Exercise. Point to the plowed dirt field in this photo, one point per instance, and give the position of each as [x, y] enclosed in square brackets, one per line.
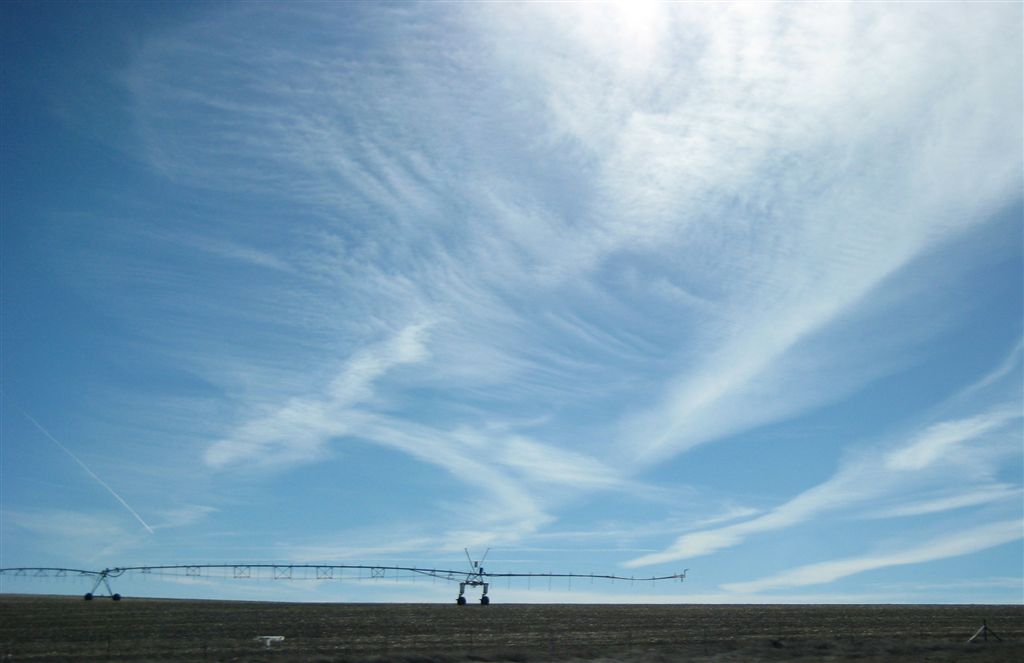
[38, 628]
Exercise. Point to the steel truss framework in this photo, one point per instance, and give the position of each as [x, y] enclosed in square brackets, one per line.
[477, 577]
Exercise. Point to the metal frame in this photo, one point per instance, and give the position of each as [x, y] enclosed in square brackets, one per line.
[62, 572]
[475, 577]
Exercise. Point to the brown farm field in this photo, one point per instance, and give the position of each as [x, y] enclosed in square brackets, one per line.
[49, 628]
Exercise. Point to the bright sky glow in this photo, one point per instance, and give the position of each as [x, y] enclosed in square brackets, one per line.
[628, 287]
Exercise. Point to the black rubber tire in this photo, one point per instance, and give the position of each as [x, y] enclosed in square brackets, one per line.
[461, 600]
[88, 596]
[485, 600]
[116, 597]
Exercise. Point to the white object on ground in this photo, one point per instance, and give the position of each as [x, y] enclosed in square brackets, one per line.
[268, 639]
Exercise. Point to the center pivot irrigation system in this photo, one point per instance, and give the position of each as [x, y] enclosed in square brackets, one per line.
[475, 577]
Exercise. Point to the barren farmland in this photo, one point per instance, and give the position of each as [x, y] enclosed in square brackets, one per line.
[46, 628]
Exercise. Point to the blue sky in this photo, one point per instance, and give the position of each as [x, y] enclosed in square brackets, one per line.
[621, 288]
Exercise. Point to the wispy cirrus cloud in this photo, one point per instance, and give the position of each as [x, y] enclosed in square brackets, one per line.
[297, 431]
[962, 543]
[943, 440]
[74, 537]
[643, 238]
[183, 516]
[580, 280]
[956, 500]
[682, 144]
[873, 481]
[509, 468]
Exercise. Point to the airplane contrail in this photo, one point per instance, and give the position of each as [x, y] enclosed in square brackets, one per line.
[86, 468]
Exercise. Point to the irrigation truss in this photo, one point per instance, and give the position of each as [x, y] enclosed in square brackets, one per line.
[475, 577]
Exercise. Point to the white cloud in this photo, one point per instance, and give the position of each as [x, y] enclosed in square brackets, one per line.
[506, 510]
[731, 513]
[242, 253]
[983, 495]
[183, 516]
[298, 430]
[937, 455]
[945, 439]
[1006, 368]
[72, 537]
[813, 258]
[767, 170]
[351, 548]
[961, 543]
[838, 492]
[712, 135]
